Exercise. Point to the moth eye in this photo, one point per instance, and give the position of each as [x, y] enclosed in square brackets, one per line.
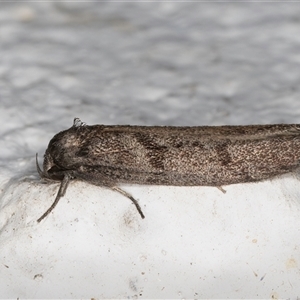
[56, 173]
[82, 152]
[54, 169]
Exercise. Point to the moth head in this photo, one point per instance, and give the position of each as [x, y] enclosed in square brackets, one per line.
[61, 147]
[50, 170]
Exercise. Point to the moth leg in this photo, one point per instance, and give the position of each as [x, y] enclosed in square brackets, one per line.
[61, 192]
[221, 189]
[117, 189]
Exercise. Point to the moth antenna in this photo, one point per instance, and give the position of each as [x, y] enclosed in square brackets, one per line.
[78, 123]
[41, 173]
[61, 192]
[117, 189]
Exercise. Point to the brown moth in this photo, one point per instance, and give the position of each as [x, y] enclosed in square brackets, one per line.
[163, 155]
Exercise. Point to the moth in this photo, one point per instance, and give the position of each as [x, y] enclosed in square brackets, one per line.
[108, 156]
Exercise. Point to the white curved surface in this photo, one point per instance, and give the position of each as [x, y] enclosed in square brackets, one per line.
[194, 242]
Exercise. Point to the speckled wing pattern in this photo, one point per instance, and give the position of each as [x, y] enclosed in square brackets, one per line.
[181, 156]
[164, 155]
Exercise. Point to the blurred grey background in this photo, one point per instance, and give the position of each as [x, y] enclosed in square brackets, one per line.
[144, 63]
